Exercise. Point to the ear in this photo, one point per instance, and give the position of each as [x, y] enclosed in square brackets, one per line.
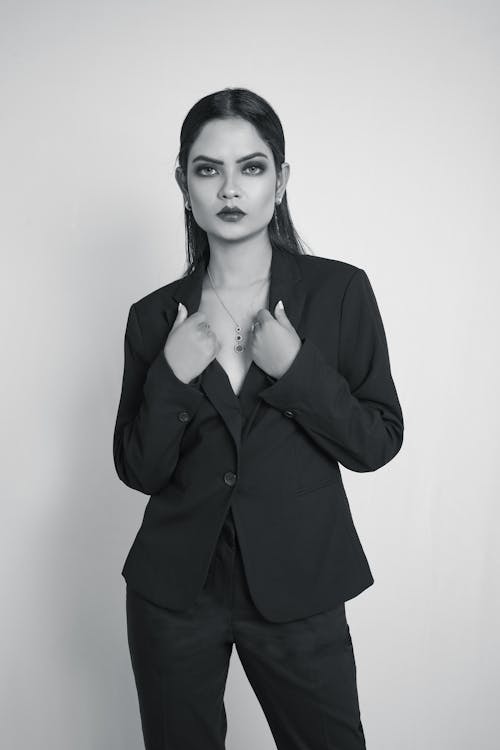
[181, 181]
[282, 179]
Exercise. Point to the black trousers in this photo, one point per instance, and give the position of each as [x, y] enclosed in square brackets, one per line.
[303, 672]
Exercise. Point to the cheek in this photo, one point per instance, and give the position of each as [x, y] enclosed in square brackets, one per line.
[201, 193]
[267, 187]
[264, 196]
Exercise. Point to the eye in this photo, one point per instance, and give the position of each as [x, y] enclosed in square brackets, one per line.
[200, 169]
[256, 165]
[253, 166]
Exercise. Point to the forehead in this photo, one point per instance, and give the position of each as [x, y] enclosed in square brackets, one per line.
[228, 139]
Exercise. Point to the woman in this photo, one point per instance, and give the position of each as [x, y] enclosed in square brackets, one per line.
[246, 382]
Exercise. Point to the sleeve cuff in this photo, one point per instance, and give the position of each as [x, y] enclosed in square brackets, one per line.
[296, 386]
[163, 382]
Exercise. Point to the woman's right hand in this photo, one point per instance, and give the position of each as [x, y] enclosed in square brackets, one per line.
[190, 345]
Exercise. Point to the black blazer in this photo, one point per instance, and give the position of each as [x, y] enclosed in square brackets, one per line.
[183, 444]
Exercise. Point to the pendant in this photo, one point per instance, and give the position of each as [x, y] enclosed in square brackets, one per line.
[239, 347]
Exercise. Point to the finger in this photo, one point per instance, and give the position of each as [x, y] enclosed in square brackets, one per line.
[263, 315]
[180, 316]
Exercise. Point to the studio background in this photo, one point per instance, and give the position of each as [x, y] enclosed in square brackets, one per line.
[391, 117]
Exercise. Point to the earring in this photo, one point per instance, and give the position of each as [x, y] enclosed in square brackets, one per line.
[188, 207]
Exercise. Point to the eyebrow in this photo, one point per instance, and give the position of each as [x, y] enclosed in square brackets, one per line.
[217, 161]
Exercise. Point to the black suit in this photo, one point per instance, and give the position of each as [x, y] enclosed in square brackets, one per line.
[187, 446]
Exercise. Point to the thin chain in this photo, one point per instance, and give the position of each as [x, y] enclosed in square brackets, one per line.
[239, 345]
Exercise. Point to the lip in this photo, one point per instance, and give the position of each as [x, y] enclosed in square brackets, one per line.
[230, 217]
[231, 212]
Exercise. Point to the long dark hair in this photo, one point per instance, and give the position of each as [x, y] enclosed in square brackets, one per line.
[237, 102]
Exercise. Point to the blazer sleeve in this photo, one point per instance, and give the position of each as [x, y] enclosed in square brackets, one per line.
[352, 413]
[154, 409]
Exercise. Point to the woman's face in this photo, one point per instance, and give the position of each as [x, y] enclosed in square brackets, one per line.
[230, 165]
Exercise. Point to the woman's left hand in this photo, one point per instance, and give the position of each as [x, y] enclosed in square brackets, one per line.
[274, 343]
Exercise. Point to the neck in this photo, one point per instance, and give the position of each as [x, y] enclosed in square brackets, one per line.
[238, 266]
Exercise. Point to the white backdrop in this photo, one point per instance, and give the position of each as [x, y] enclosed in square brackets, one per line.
[391, 116]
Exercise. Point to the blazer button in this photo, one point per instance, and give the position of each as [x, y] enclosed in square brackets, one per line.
[183, 416]
[289, 413]
[229, 478]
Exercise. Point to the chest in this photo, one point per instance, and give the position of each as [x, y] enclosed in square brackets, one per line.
[243, 308]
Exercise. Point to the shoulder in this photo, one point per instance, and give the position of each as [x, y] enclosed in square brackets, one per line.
[158, 299]
[317, 269]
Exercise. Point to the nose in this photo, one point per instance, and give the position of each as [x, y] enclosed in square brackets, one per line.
[229, 189]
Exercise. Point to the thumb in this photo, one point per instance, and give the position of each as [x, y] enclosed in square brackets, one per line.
[181, 315]
[280, 314]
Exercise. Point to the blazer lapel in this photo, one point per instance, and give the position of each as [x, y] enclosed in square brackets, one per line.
[285, 275]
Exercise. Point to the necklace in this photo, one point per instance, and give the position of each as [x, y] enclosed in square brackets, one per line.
[240, 344]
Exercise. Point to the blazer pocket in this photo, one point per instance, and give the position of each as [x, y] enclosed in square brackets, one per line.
[317, 486]
[312, 471]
